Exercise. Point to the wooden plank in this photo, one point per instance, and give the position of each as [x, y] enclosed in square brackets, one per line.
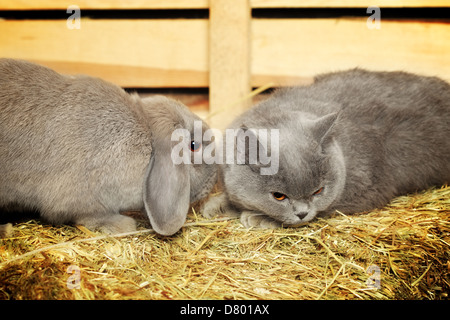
[130, 53]
[229, 60]
[292, 51]
[204, 4]
[166, 53]
[347, 3]
[102, 4]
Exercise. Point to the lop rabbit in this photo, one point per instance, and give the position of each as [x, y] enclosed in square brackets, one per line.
[81, 150]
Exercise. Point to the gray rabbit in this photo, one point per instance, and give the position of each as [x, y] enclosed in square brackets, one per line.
[80, 150]
[351, 142]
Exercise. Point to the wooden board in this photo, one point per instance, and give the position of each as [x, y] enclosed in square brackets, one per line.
[347, 3]
[131, 53]
[175, 53]
[102, 4]
[205, 4]
[292, 51]
[229, 59]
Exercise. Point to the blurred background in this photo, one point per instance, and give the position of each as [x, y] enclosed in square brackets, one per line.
[211, 54]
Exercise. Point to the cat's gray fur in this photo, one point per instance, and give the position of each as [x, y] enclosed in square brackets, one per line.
[81, 150]
[365, 137]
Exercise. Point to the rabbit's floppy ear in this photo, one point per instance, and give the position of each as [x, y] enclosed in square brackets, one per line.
[166, 191]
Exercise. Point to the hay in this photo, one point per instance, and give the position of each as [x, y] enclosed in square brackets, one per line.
[398, 252]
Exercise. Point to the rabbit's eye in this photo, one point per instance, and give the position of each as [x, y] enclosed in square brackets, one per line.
[318, 191]
[195, 146]
[279, 196]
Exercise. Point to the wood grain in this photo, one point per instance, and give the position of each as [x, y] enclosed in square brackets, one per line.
[102, 4]
[293, 51]
[205, 4]
[130, 53]
[229, 59]
[347, 3]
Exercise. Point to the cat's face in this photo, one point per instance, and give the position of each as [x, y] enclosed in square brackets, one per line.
[309, 179]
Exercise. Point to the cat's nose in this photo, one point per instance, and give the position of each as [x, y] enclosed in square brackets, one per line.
[301, 215]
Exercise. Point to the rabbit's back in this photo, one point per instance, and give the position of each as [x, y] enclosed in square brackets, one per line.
[63, 138]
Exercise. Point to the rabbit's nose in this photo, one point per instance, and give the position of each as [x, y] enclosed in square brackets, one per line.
[301, 215]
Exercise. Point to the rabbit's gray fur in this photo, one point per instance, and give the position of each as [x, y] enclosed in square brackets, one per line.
[80, 150]
[365, 137]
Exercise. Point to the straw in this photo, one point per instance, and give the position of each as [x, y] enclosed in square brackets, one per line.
[400, 251]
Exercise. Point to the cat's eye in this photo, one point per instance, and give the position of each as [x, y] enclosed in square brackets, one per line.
[279, 196]
[195, 146]
[318, 191]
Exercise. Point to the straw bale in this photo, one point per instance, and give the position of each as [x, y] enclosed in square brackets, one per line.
[397, 252]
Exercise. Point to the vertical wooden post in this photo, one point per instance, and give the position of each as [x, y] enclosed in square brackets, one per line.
[229, 60]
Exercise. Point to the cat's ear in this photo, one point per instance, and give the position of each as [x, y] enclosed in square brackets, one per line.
[252, 148]
[246, 145]
[321, 127]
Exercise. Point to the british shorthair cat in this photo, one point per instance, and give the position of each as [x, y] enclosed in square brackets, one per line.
[351, 142]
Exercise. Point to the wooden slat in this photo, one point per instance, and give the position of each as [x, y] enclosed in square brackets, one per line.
[174, 53]
[204, 4]
[130, 53]
[347, 3]
[292, 51]
[102, 4]
[229, 61]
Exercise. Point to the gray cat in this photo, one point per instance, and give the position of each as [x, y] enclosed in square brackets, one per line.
[351, 142]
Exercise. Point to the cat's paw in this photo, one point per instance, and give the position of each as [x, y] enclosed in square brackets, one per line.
[258, 220]
[211, 207]
[217, 205]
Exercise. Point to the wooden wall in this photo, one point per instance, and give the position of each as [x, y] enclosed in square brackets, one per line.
[226, 50]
